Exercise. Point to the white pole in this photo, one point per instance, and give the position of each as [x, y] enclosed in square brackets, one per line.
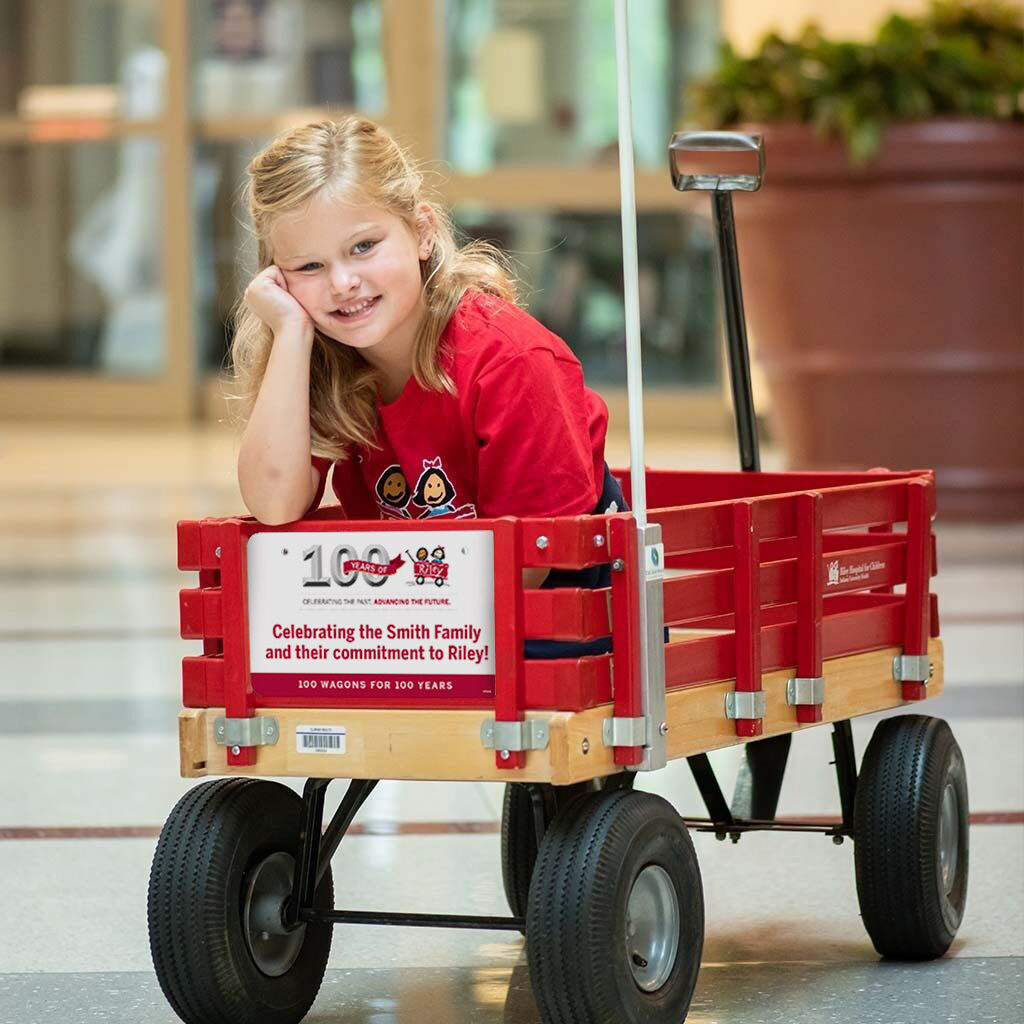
[630, 270]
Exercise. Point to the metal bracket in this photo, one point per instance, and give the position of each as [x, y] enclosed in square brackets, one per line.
[912, 668]
[744, 704]
[624, 732]
[805, 690]
[258, 731]
[531, 734]
[652, 594]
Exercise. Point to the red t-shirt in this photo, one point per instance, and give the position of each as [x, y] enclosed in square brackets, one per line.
[521, 436]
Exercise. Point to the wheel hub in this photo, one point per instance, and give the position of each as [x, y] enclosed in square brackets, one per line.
[949, 837]
[652, 928]
[269, 886]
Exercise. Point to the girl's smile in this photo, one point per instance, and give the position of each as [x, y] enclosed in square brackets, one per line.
[357, 312]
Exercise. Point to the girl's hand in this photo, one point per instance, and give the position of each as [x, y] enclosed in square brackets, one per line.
[268, 297]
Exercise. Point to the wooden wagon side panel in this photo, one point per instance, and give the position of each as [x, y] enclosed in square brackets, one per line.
[446, 745]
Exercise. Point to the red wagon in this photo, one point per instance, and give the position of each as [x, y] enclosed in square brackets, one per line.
[743, 607]
[791, 600]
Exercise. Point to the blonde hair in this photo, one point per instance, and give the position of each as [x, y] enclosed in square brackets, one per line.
[355, 157]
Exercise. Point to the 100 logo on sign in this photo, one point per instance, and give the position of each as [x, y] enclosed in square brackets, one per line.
[343, 561]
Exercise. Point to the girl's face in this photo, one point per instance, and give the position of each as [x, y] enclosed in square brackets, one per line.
[355, 269]
[433, 490]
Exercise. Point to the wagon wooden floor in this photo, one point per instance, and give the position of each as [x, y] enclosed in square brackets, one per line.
[88, 702]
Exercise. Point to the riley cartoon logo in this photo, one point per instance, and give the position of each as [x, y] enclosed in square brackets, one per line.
[429, 565]
[434, 494]
[833, 573]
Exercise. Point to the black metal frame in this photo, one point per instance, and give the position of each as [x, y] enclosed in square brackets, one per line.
[766, 770]
[316, 845]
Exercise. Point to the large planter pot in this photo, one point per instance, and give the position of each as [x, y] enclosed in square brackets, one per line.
[886, 305]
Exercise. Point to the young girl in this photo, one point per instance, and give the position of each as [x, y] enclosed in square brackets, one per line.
[371, 342]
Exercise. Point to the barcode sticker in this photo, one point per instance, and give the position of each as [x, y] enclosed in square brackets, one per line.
[320, 739]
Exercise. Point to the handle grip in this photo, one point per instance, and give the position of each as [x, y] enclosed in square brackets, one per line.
[715, 142]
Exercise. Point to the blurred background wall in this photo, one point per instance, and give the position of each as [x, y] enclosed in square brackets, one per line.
[745, 21]
[126, 125]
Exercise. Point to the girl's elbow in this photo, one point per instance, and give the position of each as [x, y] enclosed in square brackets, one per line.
[278, 515]
[273, 518]
[274, 512]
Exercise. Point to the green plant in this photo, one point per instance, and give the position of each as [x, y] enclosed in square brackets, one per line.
[958, 59]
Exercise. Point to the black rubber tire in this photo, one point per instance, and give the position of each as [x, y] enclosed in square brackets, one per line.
[217, 832]
[519, 830]
[576, 921]
[904, 903]
[518, 846]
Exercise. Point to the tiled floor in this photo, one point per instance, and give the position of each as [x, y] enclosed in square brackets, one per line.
[89, 692]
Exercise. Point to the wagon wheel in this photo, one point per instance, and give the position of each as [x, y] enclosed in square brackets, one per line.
[519, 830]
[911, 837]
[221, 874]
[615, 923]
[518, 846]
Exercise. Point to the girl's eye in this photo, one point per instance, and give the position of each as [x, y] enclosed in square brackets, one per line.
[363, 247]
[309, 266]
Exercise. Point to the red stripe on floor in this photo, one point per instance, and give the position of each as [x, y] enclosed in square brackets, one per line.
[979, 618]
[370, 828]
[389, 828]
[977, 818]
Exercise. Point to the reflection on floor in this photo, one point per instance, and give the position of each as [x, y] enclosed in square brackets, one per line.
[88, 698]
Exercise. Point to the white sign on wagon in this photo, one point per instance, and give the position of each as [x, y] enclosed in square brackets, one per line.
[374, 614]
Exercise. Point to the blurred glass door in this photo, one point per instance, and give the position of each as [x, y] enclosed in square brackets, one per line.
[93, 144]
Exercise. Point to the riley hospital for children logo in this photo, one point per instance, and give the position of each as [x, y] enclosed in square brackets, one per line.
[324, 620]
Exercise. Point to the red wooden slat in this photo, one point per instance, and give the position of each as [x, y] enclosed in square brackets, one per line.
[626, 632]
[866, 506]
[237, 692]
[188, 545]
[508, 632]
[567, 614]
[692, 599]
[669, 488]
[746, 587]
[568, 684]
[701, 660]
[569, 542]
[919, 557]
[203, 681]
[809, 597]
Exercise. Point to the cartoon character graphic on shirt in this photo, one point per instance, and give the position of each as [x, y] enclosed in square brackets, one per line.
[435, 492]
[393, 493]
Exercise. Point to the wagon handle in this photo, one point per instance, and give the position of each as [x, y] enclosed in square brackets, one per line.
[630, 269]
[721, 187]
[650, 617]
[715, 142]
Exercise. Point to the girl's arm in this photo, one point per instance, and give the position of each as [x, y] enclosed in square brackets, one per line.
[277, 481]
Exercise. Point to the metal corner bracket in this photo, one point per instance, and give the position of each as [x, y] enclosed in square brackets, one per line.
[805, 690]
[531, 734]
[744, 704]
[258, 731]
[624, 732]
[912, 668]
